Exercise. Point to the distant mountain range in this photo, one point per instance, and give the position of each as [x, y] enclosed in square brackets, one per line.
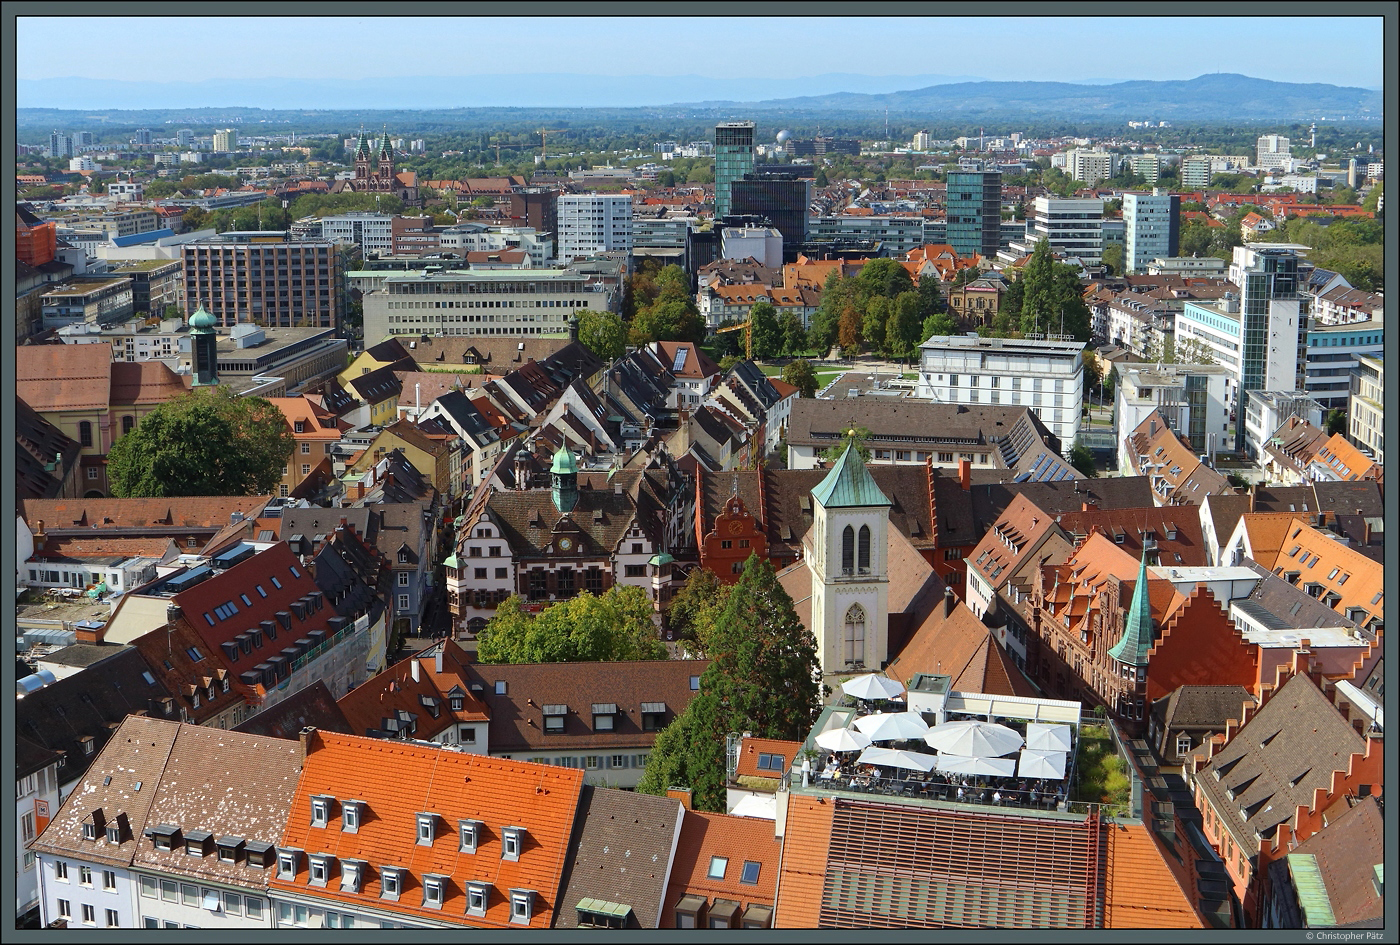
[1218, 97]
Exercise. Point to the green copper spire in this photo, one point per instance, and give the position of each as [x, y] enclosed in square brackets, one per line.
[363, 149]
[564, 473]
[204, 348]
[202, 322]
[849, 485]
[386, 150]
[1137, 632]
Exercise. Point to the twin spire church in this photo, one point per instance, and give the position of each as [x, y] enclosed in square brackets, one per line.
[382, 177]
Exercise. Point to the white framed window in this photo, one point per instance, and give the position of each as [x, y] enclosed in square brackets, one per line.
[390, 882]
[426, 824]
[109, 880]
[522, 903]
[718, 864]
[27, 826]
[320, 868]
[65, 909]
[478, 898]
[113, 920]
[403, 602]
[252, 908]
[512, 842]
[233, 903]
[352, 876]
[403, 579]
[468, 835]
[434, 890]
[287, 864]
[60, 870]
[350, 816]
[148, 887]
[320, 811]
[169, 890]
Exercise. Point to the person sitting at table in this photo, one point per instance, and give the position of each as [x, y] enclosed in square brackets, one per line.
[996, 797]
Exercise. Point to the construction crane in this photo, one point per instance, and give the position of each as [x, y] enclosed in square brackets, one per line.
[496, 143]
[544, 133]
[747, 329]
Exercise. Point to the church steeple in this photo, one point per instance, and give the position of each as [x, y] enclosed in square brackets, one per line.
[362, 157]
[564, 475]
[386, 156]
[1137, 630]
[204, 348]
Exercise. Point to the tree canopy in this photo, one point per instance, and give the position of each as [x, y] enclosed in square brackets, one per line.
[800, 374]
[617, 625]
[671, 315]
[1051, 297]
[763, 678]
[209, 442]
[602, 332]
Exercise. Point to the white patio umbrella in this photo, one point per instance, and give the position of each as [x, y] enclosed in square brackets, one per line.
[871, 686]
[1042, 764]
[973, 764]
[890, 726]
[889, 757]
[974, 737]
[1043, 737]
[843, 739]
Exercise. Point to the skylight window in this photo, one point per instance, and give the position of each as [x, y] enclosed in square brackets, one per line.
[718, 864]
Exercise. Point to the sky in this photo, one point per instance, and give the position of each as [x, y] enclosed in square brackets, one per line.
[163, 49]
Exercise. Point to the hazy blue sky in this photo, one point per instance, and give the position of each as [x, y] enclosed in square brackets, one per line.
[1333, 49]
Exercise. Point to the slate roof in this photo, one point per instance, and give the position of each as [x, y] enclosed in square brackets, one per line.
[621, 853]
[375, 387]
[1277, 760]
[1347, 852]
[397, 781]
[820, 423]
[989, 501]
[602, 517]
[133, 761]
[738, 840]
[89, 704]
[39, 444]
[518, 726]
[231, 784]
[1186, 548]
[313, 706]
[1203, 707]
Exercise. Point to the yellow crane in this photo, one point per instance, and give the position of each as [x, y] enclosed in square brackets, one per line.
[747, 328]
[544, 133]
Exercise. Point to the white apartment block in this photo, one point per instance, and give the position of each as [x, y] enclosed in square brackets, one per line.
[1047, 376]
[1091, 166]
[472, 239]
[1272, 151]
[1074, 227]
[1150, 225]
[1366, 409]
[594, 223]
[372, 232]
[480, 302]
[1190, 398]
[1196, 171]
[36, 800]
[1268, 410]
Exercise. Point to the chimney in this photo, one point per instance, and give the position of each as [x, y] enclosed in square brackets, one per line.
[1087, 506]
[415, 671]
[39, 537]
[308, 742]
[1365, 531]
[437, 661]
[681, 794]
[949, 602]
[360, 488]
[965, 474]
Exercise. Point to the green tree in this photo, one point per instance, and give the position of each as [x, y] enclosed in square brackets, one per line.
[800, 374]
[1052, 297]
[763, 678]
[794, 332]
[1082, 459]
[696, 607]
[767, 335]
[1093, 376]
[884, 277]
[940, 324]
[857, 437]
[602, 332]
[1113, 259]
[903, 326]
[208, 442]
[824, 332]
[1373, 198]
[1336, 422]
[872, 327]
[194, 218]
[850, 336]
[617, 625]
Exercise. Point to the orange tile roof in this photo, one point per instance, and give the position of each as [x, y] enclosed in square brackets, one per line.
[312, 415]
[397, 781]
[802, 871]
[1345, 460]
[960, 646]
[1140, 890]
[146, 382]
[190, 511]
[737, 839]
[98, 546]
[1267, 533]
[1358, 582]
[367, 705]
[750, 748]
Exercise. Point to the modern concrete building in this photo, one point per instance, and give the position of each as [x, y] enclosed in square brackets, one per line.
[1366, 407]
[1152, 228]
[1333, 356]
[226, 140]
[594, 223]
[763, 243]
[481, 302]
[1047, 376]
[783, 199]
[895, 235]
[266, 278]
[1191, 398]
[1091, 166]
[1196, 171]
[1074, 227]
[372, 232]
[1272, 151]
[1267, 410]
[974, 212]
[733, 159]
[1146, 166]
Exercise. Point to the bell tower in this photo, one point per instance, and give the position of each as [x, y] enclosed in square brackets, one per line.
[386, 160]
[848, 558]
[362, 157]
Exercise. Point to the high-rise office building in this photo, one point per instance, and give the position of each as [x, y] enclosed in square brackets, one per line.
[226, 141]
[1272, 151]
[82, 139]
[784, 199]
[184, 138]
[1152, 228]
[264, 278]
[733, 159]
[974, 212]
[1074, 227]
[593, 223]
[60, 145]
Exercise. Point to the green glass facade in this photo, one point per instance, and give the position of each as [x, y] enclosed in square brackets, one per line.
[974, 212]
[733, 159]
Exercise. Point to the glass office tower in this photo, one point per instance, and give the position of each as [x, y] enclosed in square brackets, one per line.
[733, 159]
[974, 212]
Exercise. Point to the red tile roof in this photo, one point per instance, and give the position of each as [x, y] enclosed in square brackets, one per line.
[750, 748]
[65, 377]
[735, 839]
[397, 781]
[1140, 891]
[807, 834]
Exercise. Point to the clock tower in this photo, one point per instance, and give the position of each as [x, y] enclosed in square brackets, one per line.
[847, 552]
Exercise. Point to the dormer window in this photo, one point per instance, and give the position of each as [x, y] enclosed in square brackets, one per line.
[653, 715]
[434, 890]
[390, 882]
[469, 835]
[350, 815]
[164, 836]
[478, 898]
[522, 906]
[352, 876]
[228, 848]
[554, 716]
[603, 716]
[260, 854]
[322, 865]
[197, 842]
[89, 831]
[512, 841]
[321, 810]
[426, 825]
[287, 863]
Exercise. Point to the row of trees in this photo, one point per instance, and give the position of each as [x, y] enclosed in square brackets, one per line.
[878, 309]
[616, 625]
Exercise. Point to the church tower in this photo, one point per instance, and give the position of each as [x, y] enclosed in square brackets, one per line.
[362, 158]
[386, 161]
[850, 574]
[564, 480]
[204, 349]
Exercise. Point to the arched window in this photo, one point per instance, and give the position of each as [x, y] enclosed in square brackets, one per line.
[127, 423]
[863, 550]
[854, 637]
[85, 433]
[848, 550]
